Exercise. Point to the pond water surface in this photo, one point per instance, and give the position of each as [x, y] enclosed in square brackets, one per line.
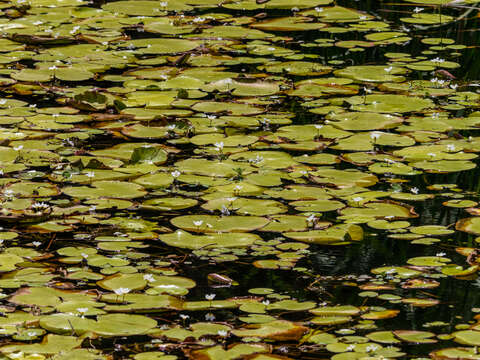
[256, 179]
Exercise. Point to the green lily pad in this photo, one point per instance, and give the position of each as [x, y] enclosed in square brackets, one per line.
[112, 189]
[186, 240]
[213, 224]
[275, 330]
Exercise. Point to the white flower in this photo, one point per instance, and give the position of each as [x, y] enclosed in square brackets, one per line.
[3, 101]
[371, 348]
[357, 199]
[184, 317]
[82, 310]
[40, 205]
[121, 291]
[454, 86]
[451, 147]
[209, 317]
[219, 146]
[238, 187]
[311, 218]
[19, 147]
[388, 69]
[418, 9]
[225, 210]
[149, 277]
[351, 347]
[90, 174]
[222, 333]
[266, 302]
[438, 60]
[414, 190]
[8, 193]
[295, 9]
[53, 67]
[389, 217]
[257, 159]
[164, 3]
[75, 29]
[374, 135]
[318, 127]
[318, 9]
[440, 254]
[36, 243]
[198, 223]
[210, 296]
[171, 127]
[231, 199]
[432, 154]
